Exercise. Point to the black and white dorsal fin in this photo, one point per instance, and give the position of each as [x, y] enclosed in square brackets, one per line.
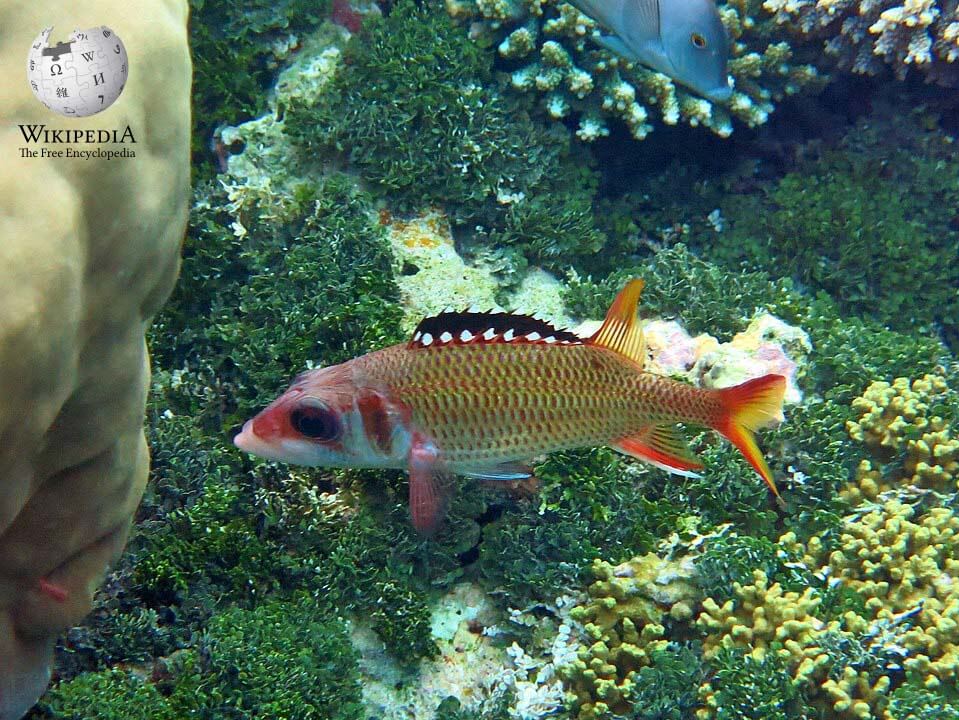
[468, 327]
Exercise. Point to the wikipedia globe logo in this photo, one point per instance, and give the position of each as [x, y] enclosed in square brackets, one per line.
[80, 77]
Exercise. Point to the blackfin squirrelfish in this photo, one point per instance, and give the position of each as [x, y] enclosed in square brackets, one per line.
[481, 393]
[684, 39]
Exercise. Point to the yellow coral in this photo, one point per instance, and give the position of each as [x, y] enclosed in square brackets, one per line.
[763, 619]
[896, 418]
[901, 561]
[623, 620]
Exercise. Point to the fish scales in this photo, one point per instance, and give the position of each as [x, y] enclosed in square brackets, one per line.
[482, 394]
[493, 402]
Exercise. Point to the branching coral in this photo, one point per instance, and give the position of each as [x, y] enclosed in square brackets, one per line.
[763, 618]
[886, 609]
[902, 559]
[623, 621]
[769, 625]
[866, 35]
[547, 43]
[909, 422]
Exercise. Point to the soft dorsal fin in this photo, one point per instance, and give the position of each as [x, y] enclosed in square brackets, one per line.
[620, 330]
[467, 328]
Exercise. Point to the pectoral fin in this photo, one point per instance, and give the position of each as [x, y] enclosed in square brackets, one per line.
[430, 485]
[616, 46]
[661, 445]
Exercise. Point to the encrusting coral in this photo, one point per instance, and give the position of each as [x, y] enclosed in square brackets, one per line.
[866, 35]
[88, 253]
[550, 43]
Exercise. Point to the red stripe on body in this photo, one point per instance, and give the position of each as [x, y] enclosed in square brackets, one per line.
[380, 417]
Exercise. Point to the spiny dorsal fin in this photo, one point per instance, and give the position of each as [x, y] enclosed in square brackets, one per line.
[467, 328]
[620, 330]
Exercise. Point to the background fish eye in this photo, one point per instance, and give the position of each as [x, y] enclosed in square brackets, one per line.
[698, 40]
[315, 420]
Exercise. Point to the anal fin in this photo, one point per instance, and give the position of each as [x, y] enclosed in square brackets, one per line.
[430, 485]
[503, 471]
[661, 445]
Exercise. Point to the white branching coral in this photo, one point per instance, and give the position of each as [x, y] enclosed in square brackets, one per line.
[868, 35]
[577, 76]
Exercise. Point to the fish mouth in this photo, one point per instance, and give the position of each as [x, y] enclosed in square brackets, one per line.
[719, 94]
[280, 450]
[248, 441]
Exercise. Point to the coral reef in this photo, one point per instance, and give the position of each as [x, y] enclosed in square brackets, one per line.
[258, 161]
[317, 681]
[704, 297]
[237, 48]
[393, 173]
[414, 109]
[866, 36]
[548, 43]
[767, 345]
[764, 621]
[623, 624]
[907, 423]
[432, 276]
[887, 612]
[88, 253]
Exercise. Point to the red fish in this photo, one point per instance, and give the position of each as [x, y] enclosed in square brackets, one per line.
[481, 394]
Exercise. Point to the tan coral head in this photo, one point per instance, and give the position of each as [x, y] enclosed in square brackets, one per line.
[26, 677]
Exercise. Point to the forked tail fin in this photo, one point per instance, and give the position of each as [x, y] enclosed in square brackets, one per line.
[748, 407]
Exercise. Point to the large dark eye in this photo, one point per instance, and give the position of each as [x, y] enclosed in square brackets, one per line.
[698, 40]
[315, 420]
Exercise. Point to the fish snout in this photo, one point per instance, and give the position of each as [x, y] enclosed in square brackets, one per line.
[268, 425]
[719, 94]
[244, 439]
[260, 437]
[257, 432]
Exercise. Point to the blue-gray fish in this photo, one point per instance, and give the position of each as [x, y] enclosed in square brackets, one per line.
[684, 39]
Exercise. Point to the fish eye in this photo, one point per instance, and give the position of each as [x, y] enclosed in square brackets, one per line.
[314, 420]
[698, 40]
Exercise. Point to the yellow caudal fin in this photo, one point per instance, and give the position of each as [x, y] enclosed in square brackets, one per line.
[620, 330]
[748, 407]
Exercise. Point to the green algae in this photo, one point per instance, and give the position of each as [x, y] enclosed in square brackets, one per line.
[869, 222]
[279, 660]
[415, 110]
[236, 53]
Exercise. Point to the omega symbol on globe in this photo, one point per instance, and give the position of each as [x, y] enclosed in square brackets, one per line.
[80, 77]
